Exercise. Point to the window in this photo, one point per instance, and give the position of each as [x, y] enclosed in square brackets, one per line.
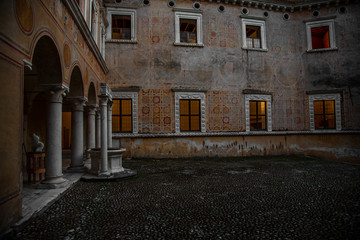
[188, 29]
[190, 115]
[122, 115]
[257, 115]
[258, 112]
[253, 39]
[190, 111]
[325, 111]
[253, 33]
[320, 35]
[324, 114]
[122, 27]
[124, 112]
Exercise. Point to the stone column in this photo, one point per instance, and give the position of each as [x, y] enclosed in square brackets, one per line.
[53, 175]
[104, 147]
[109, 126]
[98, 128]
[77, 135]
[91, 128]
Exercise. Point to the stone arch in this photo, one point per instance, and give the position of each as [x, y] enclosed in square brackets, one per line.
[76, 83]
[92, 94]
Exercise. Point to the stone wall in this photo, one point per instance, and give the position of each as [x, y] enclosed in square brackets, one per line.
[222, 67]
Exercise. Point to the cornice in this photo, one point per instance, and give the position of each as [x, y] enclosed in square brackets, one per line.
[284, 6]
[80, 22]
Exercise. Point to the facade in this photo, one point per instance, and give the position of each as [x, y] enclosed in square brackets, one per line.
[175, 79]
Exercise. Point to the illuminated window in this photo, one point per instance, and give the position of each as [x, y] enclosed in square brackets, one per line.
[253, 39]
[324, 114]
[258, 112]
[190, 115]
[253, 34]
[188, 29]
[122, 115]
[121, 27]
[190, 111]
[257, 115]
[325, 111]
[320, 35]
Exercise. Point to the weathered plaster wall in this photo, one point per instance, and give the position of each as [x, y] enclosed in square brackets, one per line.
[345, 147]
[225, 69]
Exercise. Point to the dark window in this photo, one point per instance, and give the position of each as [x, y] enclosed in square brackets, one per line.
[320, 37]
[257, 115]
[190, 115]
[188, 31]
[324, 113]
[122, 115]
[121, 27]
[253, 37]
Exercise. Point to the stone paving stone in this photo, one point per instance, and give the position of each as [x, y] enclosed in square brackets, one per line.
[241, 198]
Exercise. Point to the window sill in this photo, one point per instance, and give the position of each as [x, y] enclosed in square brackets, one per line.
[255, 49]
[322, 50]
[121, 41]
[188, 44]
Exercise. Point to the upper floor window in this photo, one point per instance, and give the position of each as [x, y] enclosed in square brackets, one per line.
[325, 111]
[253, 33]
[320, 35]
[188, 29]
[122, 27]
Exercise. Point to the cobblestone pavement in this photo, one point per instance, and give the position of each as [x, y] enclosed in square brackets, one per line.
[247, 198]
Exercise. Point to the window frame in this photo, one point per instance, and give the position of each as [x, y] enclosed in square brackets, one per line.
[191, 96]
[256, 23]
[134, 108]
[121, 115]
[190, 16]
[321, 23]
[317, 97]
[258, 97]
[121, 12]
[189, 115]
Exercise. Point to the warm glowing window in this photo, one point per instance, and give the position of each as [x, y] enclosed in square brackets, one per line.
[257, 115]
[320, 37]
[190, 115]
[253, 38]
[324, 114]
[121, 27]
[122, 115]
[188, 32]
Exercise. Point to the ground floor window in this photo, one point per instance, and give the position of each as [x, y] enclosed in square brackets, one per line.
[258, 112]
[190, 111]
[257, 115]
[122, 115]
[190, 115]
[325, 111]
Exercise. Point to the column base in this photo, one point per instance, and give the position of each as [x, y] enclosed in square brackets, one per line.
[53, 182]
[76, 169]
[104, 174]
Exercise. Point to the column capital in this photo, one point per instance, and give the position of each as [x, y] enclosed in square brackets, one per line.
[56, 92]
[92, 108]
[103, 100]
[78, 103]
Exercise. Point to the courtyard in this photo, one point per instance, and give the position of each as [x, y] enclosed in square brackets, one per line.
[282, 197]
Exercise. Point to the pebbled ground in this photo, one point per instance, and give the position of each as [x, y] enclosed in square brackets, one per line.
[286, 197]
